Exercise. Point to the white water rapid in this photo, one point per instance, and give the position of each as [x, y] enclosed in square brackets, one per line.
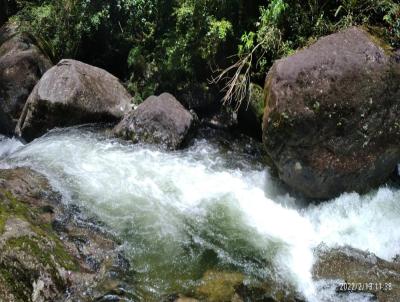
[180, 213]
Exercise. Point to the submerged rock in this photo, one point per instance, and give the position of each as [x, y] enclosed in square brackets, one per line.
[219, 286]
[46, 252]
[331, 118]
[226, 286]
[22, 64]
[160, 120]
[358, 271]
[72, 93]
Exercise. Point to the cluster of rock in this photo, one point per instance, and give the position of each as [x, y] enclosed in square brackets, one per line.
[36, 97]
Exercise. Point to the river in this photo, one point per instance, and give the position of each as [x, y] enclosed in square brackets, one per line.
[212, 206]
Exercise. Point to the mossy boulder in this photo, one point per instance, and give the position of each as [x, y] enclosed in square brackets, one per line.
[331, 118]
[45, 255]
[251, 112]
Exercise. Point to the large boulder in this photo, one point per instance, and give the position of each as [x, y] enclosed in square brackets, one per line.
[331, 118]
[22, 64]
[160, 120]
[72, 93]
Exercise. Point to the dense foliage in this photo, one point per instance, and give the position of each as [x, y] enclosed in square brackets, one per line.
[179, 45]
[286, 25]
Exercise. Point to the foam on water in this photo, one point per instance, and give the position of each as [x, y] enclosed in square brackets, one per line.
[201, 199]
[9, 146]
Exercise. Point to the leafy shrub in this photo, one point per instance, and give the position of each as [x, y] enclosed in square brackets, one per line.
[287, 25]
[173, 45]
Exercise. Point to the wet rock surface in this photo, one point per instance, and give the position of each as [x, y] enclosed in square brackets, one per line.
[72, 93]
[22, 64]
[159, 120]
[330, 123]
[226, 286]
[49, 252]
[358, 271]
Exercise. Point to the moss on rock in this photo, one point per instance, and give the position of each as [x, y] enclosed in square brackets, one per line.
[251, 111]
[40, 258]
[219, 286]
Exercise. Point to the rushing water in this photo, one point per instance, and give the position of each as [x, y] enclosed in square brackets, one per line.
[211, 206]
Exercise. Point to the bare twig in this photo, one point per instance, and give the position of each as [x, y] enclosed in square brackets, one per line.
[236, 86]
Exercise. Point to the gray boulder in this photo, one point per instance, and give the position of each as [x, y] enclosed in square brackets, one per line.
[72, 93]
[331, 118]
[158, 120]
[22, 64]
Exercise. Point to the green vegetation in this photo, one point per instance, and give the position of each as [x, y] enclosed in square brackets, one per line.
[180, 45]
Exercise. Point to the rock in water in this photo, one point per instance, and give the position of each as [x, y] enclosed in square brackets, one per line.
[22, 64]
[158, 120]
[331, 118]
[72, 93]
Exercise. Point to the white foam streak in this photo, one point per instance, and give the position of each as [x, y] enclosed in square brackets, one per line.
[8, 146]
[367, 223]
